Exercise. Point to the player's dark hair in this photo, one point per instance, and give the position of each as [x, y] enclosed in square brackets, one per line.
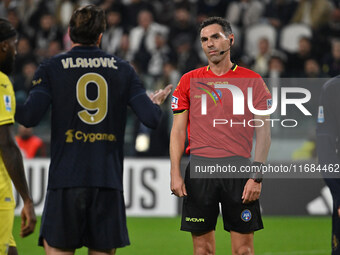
[86, 24]
[6, 30]
[217, 20]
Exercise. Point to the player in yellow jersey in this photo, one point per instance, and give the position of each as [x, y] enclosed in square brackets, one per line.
[11, 165]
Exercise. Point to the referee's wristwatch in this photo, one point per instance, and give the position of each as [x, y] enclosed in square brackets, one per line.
[257, 175]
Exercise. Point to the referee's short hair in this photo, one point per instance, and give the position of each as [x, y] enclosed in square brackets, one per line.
[86, 24]
[217, 20]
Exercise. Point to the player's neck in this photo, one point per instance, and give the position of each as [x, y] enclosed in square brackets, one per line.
[221, 67]
[81, 45]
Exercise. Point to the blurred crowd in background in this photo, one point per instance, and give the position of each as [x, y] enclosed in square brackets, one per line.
[160, 39]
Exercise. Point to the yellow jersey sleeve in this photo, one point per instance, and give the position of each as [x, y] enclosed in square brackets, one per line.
[7, 111]
[7, 100]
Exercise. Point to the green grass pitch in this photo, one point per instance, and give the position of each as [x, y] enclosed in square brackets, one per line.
[161, 236]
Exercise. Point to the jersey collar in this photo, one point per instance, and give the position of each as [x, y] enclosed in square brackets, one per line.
[84, 48]
[233, 67]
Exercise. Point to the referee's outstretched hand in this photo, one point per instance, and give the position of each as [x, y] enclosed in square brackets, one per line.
[251, 191]
[159, 96]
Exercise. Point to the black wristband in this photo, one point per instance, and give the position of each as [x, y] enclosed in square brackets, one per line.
[256, 173]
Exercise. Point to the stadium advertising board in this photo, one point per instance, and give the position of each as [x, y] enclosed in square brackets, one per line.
[146, 187]
[147, 193]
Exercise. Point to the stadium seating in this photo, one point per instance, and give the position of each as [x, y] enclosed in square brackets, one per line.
[290, 35]
[256, 32]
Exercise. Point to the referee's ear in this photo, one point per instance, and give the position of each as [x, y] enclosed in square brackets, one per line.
[99, 39]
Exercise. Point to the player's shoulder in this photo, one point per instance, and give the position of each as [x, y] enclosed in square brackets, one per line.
[196, 73]
[185, 79]
[52, 60]
[118, 62]
[246, 73]
[332, 84]
[92, 56]
[3, 77]
[5, 83]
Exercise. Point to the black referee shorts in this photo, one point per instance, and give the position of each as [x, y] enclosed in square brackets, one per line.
[91, 217]
[201, 205]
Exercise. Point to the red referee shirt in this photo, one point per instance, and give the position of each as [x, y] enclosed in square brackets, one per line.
[220, 132]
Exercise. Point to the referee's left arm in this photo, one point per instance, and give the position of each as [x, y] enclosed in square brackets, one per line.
[263, 138]
[252, 189]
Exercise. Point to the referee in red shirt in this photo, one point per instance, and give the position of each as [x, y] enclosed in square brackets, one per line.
[199, 100]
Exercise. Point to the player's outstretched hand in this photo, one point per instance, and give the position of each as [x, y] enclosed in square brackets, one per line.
[251, 191]
[177, 186]
[28, 219]
[159, 96]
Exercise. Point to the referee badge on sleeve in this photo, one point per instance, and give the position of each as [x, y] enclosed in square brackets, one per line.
[269, 103]
[174, 102]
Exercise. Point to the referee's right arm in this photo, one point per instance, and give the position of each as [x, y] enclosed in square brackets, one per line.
[177, 141]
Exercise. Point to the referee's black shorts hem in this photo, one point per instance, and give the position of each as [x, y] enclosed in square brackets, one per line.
[241, 231]
[191, 230]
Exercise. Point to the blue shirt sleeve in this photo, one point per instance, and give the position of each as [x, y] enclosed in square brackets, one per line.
[147, 112]
[39, 99]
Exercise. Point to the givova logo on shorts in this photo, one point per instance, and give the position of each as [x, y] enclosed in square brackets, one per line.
[194, 219]
[246, 215]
